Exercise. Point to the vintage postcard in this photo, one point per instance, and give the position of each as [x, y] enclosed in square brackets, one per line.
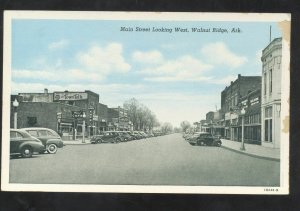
[146, 102]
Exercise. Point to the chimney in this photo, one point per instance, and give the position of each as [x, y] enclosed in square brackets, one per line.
[46, 91]
[239, 75]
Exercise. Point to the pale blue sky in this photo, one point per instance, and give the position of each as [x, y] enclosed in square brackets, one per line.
[179, 76]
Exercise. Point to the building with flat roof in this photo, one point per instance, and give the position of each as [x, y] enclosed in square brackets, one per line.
[39, 105]
[230, 102]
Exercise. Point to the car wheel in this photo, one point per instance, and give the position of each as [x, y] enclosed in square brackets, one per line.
[52, 148]
[200, 143]
[117, 140]
[98, 141]
[218, 144]
[26, 152]
[192, 144]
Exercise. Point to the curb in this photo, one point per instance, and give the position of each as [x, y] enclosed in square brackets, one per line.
[76, 144]
[251, 155]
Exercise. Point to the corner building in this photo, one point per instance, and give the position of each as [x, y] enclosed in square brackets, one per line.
[271, 94]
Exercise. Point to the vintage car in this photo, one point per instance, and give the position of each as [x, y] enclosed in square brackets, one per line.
[107, 137]
[22, 143]
[204, 139]
[125, 136]
[133, 135]
[49, 138]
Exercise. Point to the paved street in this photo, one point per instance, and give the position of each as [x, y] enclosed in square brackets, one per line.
[165, 160]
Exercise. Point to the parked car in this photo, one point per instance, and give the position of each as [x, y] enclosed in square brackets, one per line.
[133, 135]
[157, 133]
[138, 135]
[143, 134]
[204, 138]
[22, 143]
[125, 136]
[49, 138]
[107, 137]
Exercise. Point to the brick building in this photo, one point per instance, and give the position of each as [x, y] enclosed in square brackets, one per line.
[230, 101]
[271, 93]
[54, 110]
[56, 116]
[118, 119]
[102, 111]
[87, 101]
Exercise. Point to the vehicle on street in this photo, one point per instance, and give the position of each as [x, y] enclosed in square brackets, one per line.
[187, 136]
[157, 133]
[107, 137]
[133, 135]
[49, 138]
[22, 143]
[204, 139]
[125, 136]
[138, 134]
[143, 134]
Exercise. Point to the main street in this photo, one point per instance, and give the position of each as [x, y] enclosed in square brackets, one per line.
[164, 160]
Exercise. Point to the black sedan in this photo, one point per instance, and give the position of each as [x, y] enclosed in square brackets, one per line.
[22, 143]
[107, 137]
[204, 139]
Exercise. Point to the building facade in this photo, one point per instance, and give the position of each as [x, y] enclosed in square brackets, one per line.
[56, 111]
[87, 101]
[271, 94]
[252, 117]
[230, 103]
[118, 119]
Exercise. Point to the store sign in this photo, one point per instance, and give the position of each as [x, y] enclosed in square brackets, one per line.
[124, 119]
[254, 101]
[77, 114]
[70, 96]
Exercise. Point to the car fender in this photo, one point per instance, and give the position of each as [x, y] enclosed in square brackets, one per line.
[25, 144]
[36, 147]
[58, 142]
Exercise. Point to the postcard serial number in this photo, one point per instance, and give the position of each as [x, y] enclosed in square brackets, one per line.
[270, 189]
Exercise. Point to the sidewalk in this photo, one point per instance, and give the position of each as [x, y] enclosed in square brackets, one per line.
[252, 150]
[77, 142]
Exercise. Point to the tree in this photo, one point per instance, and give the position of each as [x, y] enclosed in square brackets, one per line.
[177, 130]
[166, 128]
[185, 125]
[132, 106]
[140, 115]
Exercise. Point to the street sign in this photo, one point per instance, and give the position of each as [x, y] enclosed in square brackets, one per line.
[77, 114]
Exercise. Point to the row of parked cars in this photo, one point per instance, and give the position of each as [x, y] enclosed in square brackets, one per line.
[202, 139]
[27, 141]
[122, 136]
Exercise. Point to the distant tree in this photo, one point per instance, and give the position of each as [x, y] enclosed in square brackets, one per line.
[177, 130]
[140, 115]
[132, 106]
[185, 125]
[166, 128]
